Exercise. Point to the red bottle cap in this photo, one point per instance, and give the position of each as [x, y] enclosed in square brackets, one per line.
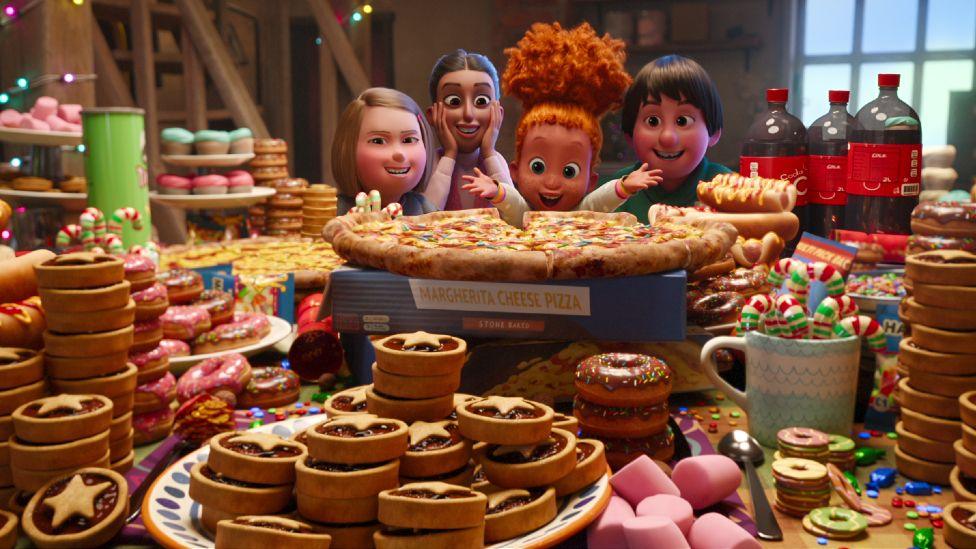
[838, 96]
[889, 80]
[778, 95]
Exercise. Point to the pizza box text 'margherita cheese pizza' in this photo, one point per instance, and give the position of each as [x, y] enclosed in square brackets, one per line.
[479, 245]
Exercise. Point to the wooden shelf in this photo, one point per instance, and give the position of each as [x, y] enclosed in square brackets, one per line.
[742, 43]
[167, 62]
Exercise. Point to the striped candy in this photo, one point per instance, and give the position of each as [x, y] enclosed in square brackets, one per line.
[750, 318]
[795, 315]
[864, 326]
[824, 318]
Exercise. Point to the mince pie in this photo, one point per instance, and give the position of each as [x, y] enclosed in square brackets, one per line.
[83, 509]
[420, 353]
[259, 458]
[269, 531]
[358, 438]
[62, 418]
[528, 465]
[434, 448]
[505, 420]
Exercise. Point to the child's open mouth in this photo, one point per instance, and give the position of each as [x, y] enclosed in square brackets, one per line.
[398, 171]
[668, 155]
[550, 200]
[467, 129]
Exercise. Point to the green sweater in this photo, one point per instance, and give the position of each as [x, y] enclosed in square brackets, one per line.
[685, 195]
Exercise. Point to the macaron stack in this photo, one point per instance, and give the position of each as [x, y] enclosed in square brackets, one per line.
[180, 141]
[90, 318]
[938, 357]
[319, 208]
[152, 418]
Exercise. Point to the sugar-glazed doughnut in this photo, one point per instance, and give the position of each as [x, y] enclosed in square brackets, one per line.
[230, 372]
[185, 321]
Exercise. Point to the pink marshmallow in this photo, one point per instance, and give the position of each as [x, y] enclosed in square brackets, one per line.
[706, 480]
[653, 532]
[57, 124]
[74, 128]
[44, 107]
[642, 478]
[70, 112]
[28, 122]
[10, 118]
[714, 531]
[676, 509]
[607, 531]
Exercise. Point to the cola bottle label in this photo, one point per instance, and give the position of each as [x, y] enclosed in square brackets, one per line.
[884, 169]
[827, 179]
[787, 168]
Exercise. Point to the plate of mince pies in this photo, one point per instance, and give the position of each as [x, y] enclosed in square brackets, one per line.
[242, 484]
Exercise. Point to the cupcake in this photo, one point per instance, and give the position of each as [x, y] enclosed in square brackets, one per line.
[210, 184]
[168, 183]
[239, 181]
[176, 141]
[241, 141]
[211, 142]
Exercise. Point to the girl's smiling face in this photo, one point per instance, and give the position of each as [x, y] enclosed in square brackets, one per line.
[671, 135]
[390, 155]
[553, 170]
[467, 96]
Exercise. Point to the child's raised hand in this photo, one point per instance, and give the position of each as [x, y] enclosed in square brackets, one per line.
[437, 116]
[490, 137]
[480, 185]
[641, 179]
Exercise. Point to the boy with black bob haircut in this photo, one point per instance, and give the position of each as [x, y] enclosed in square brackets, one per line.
[672, 114]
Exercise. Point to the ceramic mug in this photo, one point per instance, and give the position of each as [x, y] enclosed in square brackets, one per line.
[791, 382]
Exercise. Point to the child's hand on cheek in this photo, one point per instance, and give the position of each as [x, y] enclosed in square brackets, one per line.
[437, 117]
[480, 185]
[641, 179]
[491, 132]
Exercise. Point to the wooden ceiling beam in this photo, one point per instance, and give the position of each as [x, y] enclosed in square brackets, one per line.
[111, 87]
[342, 50]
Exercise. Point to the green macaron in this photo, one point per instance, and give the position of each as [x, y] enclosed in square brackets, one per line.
[177, 135]
[240, 133]
[211, 135]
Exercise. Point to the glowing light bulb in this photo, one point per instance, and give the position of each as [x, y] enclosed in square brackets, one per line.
[4, 98]
[318, 40]
[357, 17]
[81, 148]
[10, 11]
[367, 9]
[68, 78]
[16, 162]
[23, 83]
[78, 2]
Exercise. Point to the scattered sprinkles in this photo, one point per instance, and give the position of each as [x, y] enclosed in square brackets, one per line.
[883, 285]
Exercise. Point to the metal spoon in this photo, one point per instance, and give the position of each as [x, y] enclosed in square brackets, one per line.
[741, 447]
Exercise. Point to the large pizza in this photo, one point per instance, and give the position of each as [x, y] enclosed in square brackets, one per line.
[479, 245]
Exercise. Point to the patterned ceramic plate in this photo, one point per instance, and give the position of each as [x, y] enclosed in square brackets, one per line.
[173, 519]
[280, 329]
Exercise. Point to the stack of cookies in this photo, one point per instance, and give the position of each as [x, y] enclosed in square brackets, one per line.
[284, 211]
[320, 208]
[246, 473]
[963, 476]
[802, 485]
[351, 459]
[21, 381]
[623, 401]
[938, 357]
[415, 376]
[152, 417]
[803, 442]
[90, 331]
[56, 435]
[842, 452]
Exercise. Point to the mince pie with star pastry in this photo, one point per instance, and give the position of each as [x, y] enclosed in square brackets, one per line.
[62, 418]
[434, 448]
[358, 438]
[505, 420]
[591, 465]
[409, 410]
[260, 458]
[420, 354]
[348, 401]
[518, 511]
[269, 531]
[20, 367]
[84, 509]
[528, 465]
[234, 497]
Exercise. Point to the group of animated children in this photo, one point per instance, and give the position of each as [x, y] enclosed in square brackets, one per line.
[566, 80]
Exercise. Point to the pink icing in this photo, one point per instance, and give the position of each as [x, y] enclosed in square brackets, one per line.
[211, 180]
[160, 387]
[224, 372]
[175, 347]
[239, 178]
[244, 325]
[186, 317]
[258, 320]
[156, 292]
[10, 118]
[173, 181]
[135, 263]
[148, 421]
[141, 359]
[147, 326]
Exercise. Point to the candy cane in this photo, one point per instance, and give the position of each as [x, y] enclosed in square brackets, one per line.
[796, 316]
[149, 249]
[67, 235]
[828, 312]
[113, 243]
[750, 318]
[798, 284]
[848, 306]
[864, 326]
[374, 201]
[122, 214]
[782, 269]
[361, 200]
[774, 324]
[92, 222]
[394, 209]
[827, 274]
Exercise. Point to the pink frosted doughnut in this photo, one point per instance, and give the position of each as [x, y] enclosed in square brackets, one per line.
[156, 394]
[10, 118]
[173, 181]
[57, 124]
[230, 372]
[185, 321]
[239, 178]
[142, 359]
[28, 122]
[44, 107]
[715, 531]
[152, 426]
[70, 112]
[706, 480]
[608, 529]
[209, 180]
[642, 478]
[175, 347]
[654, 532]
[677, 509]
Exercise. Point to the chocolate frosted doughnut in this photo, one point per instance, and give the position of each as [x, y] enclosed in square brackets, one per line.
[918, 243]
[623, 379]
[956, 219]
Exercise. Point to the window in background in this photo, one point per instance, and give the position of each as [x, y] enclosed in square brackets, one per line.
[844, 44]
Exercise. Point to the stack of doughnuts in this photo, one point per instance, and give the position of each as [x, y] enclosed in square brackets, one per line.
[21, 381]
[269, 167]
[963, 475]
[415, 376]
[938, 358]
[284, 212]
[56, 435]
[152, 417]
[622, 400]
[319, 208]
[90, 332]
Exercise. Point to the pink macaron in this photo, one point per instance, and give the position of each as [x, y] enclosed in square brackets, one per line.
[70, 112]
[210, 184]
[706, 480]
[10, 118]
[44, 107]
[28, 122]
[239, 181]
[168, 183]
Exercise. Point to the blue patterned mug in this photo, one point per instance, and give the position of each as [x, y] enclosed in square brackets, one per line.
[791, 382]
